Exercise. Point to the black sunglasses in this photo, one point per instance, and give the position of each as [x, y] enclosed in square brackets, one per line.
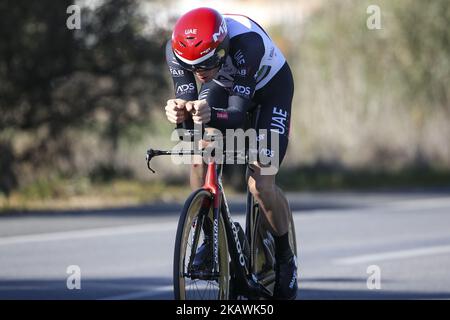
[203, 68]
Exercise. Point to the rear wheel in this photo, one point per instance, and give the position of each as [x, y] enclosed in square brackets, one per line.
[264, 249]
[190, 284]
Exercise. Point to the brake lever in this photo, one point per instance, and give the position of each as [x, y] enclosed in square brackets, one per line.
[150, 154]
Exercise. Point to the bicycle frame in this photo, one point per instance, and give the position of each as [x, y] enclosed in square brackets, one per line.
[248, 283]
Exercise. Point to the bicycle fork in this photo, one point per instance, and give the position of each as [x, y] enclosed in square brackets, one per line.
[211, 184]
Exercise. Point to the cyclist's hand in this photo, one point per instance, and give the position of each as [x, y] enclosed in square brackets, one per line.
[200, 110]
[176, 110]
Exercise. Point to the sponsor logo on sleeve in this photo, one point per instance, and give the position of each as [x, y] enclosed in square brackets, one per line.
[186, 88]
[222, 115]
[242, 72]
[239, 57]
[241, 90]
[176, 72]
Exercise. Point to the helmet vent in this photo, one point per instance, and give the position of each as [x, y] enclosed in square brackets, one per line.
[182, 44]
[198, 43]
[190, 38]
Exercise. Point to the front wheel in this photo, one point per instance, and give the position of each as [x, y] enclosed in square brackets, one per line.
[192, 226]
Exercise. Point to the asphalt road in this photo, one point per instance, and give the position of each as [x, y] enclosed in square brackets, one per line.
[127, 253]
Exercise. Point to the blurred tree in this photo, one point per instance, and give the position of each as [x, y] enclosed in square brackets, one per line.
[106, 75]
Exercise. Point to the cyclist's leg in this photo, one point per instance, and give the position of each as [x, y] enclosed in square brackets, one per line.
[273, 136]
[270, 198]
[275, 112]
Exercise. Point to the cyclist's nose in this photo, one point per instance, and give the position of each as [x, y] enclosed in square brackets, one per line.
[203, 73]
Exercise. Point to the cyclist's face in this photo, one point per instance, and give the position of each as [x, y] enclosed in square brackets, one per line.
[206, 75]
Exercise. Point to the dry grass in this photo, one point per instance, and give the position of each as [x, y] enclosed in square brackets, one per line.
[64, 195]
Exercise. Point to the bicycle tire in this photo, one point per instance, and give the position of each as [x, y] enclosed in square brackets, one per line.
[263, 250]
[189, 216]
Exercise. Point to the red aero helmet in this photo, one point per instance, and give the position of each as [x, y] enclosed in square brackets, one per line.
[200, 39]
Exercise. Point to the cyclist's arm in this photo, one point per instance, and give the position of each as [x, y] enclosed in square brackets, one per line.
[247, 52]
[183, 82]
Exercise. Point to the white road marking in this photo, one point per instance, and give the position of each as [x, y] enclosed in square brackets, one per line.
[89, 233]
[140, 294]
[393, 255]
[418, 204]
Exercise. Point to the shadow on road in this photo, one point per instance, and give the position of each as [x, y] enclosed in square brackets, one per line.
[344, 294]
[161, 289]
[56, 289]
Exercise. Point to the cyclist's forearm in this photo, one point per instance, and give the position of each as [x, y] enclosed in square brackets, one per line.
[232, 117]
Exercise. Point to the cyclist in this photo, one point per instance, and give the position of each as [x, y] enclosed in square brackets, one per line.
[238, 67]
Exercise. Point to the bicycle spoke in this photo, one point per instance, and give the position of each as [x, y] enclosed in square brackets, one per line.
[203, 289]
[197, 281]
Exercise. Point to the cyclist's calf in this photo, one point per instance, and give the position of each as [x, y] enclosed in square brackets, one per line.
[261, 187]
[270, 198]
